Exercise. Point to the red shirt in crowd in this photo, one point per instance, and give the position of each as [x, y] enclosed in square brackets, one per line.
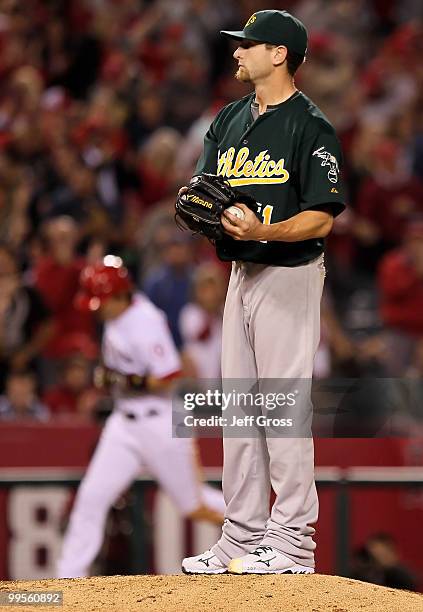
[58, 285]
[401, 293]
[390, 207]
[61, 400]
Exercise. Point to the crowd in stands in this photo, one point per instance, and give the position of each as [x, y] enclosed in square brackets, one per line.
[378, 561]
[103, 109]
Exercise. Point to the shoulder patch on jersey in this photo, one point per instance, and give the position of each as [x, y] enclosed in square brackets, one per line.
[328, 160]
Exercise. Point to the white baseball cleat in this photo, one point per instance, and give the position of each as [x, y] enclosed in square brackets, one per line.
[266, 560]
[206, 563]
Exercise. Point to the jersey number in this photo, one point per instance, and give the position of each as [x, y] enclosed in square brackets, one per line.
[267, 216]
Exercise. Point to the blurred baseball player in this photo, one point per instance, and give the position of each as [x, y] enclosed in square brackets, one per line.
[140, 361]
[279, 148]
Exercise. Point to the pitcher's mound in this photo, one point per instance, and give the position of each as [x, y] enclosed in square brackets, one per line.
[313, 593]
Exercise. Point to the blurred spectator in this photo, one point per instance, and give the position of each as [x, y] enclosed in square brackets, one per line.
[411, 417]
[25, 321]
[330, 70]
[146, 116]
[187, 87]
[20, 401]
[200, 322]
[401, 287]
[75, 393]
[416, 368]
[157, 165]
[153, 236]
[350, 19]
[386, 201]
[168, 287]
[57, 278]
[378, 561]
[335, 350]
[14, 202]
[192, 144]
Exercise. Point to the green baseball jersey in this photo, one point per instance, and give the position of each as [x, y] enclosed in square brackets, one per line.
[288, 159]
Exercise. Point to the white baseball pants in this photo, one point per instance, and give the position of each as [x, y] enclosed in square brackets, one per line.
[271, 330]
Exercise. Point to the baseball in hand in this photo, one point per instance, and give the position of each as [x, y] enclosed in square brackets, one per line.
[237, 212]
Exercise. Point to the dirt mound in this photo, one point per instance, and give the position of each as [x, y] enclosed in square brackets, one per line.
[315, 593]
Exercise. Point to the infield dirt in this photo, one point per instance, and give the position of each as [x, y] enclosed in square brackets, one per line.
[315, 593]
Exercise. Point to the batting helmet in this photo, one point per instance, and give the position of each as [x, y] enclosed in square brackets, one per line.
[100, 281]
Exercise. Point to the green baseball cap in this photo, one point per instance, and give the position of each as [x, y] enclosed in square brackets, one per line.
[276, 28]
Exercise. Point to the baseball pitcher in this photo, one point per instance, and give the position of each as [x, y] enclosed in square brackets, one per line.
[281, 152]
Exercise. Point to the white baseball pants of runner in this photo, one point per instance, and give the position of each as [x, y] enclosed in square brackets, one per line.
[271, 329]
[128, 447]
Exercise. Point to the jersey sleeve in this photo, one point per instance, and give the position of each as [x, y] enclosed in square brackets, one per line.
[320, 161]
[160, 355]
[208, 159]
